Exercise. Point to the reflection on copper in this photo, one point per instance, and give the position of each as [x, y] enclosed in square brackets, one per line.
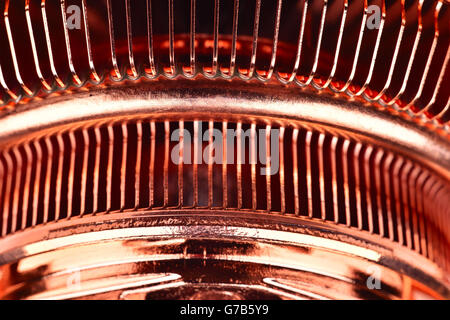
[92, 205]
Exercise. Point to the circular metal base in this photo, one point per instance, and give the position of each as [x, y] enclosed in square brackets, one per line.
[210, 255]
[218, 253]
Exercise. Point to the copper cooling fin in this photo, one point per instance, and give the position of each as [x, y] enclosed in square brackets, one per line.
[207, 149]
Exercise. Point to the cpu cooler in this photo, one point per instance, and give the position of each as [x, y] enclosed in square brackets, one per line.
[207, 149]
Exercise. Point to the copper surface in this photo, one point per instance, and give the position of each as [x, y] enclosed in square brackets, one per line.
[92, 205]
